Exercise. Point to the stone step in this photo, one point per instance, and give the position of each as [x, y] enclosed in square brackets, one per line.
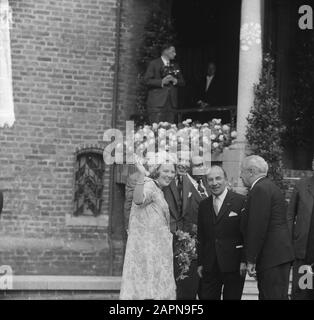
[82, 288]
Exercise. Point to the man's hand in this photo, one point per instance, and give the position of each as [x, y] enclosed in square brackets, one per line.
[200, 271]
[243, 268]
[166, 80]
[174, 80]
[251, 269]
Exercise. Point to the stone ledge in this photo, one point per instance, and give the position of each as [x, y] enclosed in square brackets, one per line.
[89, 283]
[79, 245]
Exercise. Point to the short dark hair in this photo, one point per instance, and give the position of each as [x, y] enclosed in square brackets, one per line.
[222, 169]
[166, 46]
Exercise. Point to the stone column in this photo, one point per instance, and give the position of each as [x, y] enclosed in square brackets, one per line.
[250, 62]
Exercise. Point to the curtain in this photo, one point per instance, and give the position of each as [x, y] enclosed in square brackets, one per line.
[6, 90]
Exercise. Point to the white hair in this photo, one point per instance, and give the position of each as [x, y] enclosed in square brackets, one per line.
[257, 163]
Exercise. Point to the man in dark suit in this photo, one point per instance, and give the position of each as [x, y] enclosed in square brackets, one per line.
[301, 226]
[163, 78]
[183, 196]
[268, 245]
[220, 245]
[209, 94]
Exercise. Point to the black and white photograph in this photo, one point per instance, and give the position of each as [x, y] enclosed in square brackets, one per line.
[156, 150]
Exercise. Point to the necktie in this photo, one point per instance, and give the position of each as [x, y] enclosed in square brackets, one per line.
[179, 186]
[216, 205]
[200, 188]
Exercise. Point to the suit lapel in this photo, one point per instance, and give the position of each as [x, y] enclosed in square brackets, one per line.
[160, 66]
[206, 186]
[311, 186]
[210, 213]
[310, 189]
[175, 193]
[225, 208]
[186, 186]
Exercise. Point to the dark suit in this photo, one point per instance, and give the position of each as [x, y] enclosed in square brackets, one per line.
[183, 216]
[1, 201]
[220, 248]
[300, 213]
[267, 239]
[211, 95]
[161, 100]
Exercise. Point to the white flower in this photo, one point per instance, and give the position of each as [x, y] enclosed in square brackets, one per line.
[217, 127]
[137, 137]
[161, 132]
[215, 145]
[221, 137]
[155, 126]
[234, 134]
[212, 136]
[194, 132]
[205, 140]
[162, 143]
[188, 120]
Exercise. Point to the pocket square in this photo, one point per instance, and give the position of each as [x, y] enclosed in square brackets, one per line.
[190, 194]
[233, 214]
[239, 247]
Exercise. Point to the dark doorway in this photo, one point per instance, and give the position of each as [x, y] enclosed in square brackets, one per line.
[207, 30]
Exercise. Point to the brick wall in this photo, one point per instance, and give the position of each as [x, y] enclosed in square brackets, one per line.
[63, 62]
[135, 14]
[63, 55]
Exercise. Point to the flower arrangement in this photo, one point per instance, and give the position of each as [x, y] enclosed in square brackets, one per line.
[185, 252]
[167, 136]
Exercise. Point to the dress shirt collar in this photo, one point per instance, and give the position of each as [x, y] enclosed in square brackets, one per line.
[222, 196]
[165, 61]
[258, 179]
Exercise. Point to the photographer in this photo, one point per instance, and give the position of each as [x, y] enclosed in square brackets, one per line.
[162, 78]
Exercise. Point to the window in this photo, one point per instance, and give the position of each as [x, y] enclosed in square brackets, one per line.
[89, 177]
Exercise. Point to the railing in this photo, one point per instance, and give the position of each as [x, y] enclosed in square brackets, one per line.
[231, 109]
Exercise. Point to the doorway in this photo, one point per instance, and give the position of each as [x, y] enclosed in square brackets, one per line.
[207, 31]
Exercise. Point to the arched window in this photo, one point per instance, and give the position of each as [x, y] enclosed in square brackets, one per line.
[89, 177]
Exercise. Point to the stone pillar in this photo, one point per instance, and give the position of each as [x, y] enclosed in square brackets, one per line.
[250, 62]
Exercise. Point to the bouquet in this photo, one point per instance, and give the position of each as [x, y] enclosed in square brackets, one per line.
[185, 252]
